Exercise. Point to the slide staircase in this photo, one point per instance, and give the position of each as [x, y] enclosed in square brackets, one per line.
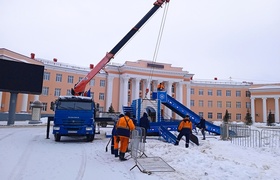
[182, 110]
[167, 135]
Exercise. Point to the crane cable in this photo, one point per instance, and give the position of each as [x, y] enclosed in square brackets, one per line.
[158, 40]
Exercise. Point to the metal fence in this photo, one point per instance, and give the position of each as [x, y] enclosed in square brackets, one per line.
[144, 163]
[243, 135]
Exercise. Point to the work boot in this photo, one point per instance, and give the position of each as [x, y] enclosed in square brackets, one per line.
[122, 157]
[116, 152]
[187, 145]
[176, 143]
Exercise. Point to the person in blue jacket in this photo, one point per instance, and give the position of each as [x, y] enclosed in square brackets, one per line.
[144, 123]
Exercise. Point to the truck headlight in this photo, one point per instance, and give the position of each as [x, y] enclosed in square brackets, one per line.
[56, 128]
[88, 128]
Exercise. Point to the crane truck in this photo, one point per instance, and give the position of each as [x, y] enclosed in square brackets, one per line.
[75, 115]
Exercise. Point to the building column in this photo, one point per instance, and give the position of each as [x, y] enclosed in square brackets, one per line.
[179, 95]
[276, 109]
[264, 110]
[188, 95]
[36, 97]
[109, 92]
[123, 92]
[168, 88]
[253, 113]
[147, 86]
[155, 84]
[135, 88]
[24, 103]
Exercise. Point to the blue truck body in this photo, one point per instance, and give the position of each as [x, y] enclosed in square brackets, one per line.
[74, 116]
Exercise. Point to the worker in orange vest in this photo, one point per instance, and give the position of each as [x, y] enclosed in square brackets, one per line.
[124, 126]
[184, 129]
[115, 139]
[160, 87]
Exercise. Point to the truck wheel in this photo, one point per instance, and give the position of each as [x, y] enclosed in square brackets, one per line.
[57, 137]
[90, 138]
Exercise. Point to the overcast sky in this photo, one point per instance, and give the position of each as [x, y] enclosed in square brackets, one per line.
[209, 38]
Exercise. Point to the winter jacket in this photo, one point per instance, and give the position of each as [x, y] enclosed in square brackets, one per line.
[202, 123]
[124, 126]
[144, 121]
[185, 124]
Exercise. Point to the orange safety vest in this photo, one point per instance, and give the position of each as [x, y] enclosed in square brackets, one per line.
[124, 126]
[185, 124]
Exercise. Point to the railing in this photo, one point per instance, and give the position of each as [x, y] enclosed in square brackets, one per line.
[245, 136]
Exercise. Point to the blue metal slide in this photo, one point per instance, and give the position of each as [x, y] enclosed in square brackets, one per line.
[167, 135]
[182, 111]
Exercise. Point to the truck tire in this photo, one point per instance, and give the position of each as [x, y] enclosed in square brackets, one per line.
[90, 138]
[57, 137]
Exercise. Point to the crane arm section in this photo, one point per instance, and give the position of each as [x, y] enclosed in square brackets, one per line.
[79, 88]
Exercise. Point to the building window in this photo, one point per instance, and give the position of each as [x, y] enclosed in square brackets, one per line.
[58, 78]
[210, 92]
[200, 92]
[238, 117]
[219, 104]
[92, 82]
[219, 92]
[102, 83]
[238, 93]
[80, 79]
[101, 96]
[210, 115]
[200, 103]
[173, 88]
[248, 105]
[140, 85]
[45, 91]
[101, 109]
[68, 92]
[70, 79]
[129, 85]
[238, 104]
[45, 106]
[229, 116]
[248, 94]
[219, 116]
[192, 102]
[228, 104]
[210, 104]
[57, 92]
[47, 76]
[200, 114]
[30, 102]
[128, 98]
[228, 92]
[192, 90]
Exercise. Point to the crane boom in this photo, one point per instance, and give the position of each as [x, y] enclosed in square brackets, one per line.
[79, 88]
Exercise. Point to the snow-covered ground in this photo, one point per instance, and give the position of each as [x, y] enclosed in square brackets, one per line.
[26, 154]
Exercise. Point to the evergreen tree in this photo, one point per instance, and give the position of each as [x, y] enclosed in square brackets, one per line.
[269, 119]
[248, 118]
[226, 117]
[111, 109]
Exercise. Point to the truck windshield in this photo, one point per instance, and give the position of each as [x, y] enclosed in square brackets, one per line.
[74, 105]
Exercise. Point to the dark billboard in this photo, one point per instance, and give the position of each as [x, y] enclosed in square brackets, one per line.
[21, 77]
